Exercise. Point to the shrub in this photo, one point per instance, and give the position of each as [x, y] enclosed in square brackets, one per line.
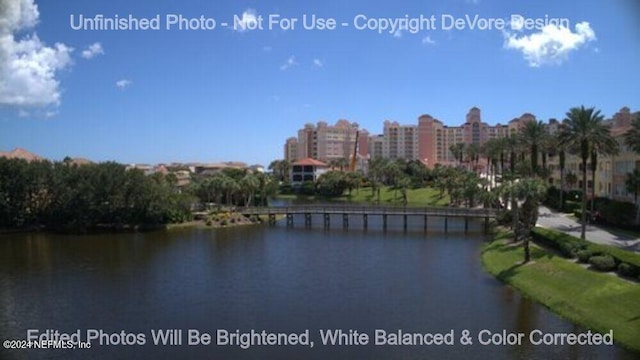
[603, 263]
[583, 256]
[209, 222]
[625, 269]
[567, 245]
[223, 222]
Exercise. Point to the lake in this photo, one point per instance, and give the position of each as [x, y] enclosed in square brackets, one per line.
[127, 287]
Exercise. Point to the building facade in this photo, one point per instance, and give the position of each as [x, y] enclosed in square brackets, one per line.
[430, 141]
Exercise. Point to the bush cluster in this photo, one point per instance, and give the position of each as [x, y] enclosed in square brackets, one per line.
[603, 262]
[601, 257]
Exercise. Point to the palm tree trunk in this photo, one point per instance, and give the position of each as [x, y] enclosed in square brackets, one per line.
[561, 189]
[635, 200]
[584, 200]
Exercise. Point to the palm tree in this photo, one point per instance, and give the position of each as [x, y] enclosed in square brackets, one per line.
[632, 136]
[458, 151]
[281, 169]
[562, 162]
[473, 153]
[533, 135]
[532, 191]
[572, 179]
[249, 184]
[632, 184]
[583, 131]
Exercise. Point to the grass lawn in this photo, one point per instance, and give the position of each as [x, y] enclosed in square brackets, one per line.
[594, 300]
[416, 197]
[389, 196]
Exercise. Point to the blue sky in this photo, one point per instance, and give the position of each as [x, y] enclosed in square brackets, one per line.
[224, 94]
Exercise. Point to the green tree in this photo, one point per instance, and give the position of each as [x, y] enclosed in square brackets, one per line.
[249, 185]
[632, 183]
[530, 191]
[457, 150]
[281, 169]
[632, 136]
[584, 131]
[533, 134]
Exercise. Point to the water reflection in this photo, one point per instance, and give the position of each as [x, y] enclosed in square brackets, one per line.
[277, 279]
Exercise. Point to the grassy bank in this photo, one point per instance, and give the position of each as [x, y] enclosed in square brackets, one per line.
[388, 196]
[598, 301]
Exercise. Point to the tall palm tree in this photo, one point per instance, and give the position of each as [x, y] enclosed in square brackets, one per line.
[531, 191]
[632, 184]
[472, 151]
[583, 131]
[533, 134]
[249, 184]
[458, 151]
[562, 163]
[632, 136]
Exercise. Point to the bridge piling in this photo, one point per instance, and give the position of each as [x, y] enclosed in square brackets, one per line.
[365, 221]
[327, 220]
[307, 219]
[289, 220]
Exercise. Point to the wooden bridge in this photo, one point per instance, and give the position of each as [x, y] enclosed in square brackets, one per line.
[370, 210]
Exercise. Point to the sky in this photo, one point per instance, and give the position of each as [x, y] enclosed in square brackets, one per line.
[214, 83]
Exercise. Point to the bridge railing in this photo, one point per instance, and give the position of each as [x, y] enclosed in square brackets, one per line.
[369, 209]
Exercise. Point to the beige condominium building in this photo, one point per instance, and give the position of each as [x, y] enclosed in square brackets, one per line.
[430, 142]
[611, 170]
[326, 142]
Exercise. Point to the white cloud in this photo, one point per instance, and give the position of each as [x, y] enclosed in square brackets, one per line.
[552, 44]
[92, 51]
[249, 18]
[318, 63]
[28, 67]
[267, 48]
[427, 40]
[123, 83]
[291, 61]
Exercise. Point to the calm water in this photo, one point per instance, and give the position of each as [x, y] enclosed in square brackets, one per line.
[262, 278]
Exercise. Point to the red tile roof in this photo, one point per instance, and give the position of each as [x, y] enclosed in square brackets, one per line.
[310, 162]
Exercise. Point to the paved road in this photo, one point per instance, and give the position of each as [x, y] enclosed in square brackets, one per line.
[562, 222]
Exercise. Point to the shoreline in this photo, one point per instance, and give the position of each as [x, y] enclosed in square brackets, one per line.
[569, 290]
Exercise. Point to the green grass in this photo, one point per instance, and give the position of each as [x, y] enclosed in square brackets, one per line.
[389, 196]
[594, 300]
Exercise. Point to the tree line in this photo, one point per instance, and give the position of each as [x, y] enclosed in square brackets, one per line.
[63, 195]
[67, 196]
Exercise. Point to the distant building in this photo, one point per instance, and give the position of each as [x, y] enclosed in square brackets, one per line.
[19, 153]
[327, 142]
[611, 171]
[307, 170]
[291, 149]
[400, 141]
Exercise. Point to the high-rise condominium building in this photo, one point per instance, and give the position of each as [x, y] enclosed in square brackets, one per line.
[329, 142]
